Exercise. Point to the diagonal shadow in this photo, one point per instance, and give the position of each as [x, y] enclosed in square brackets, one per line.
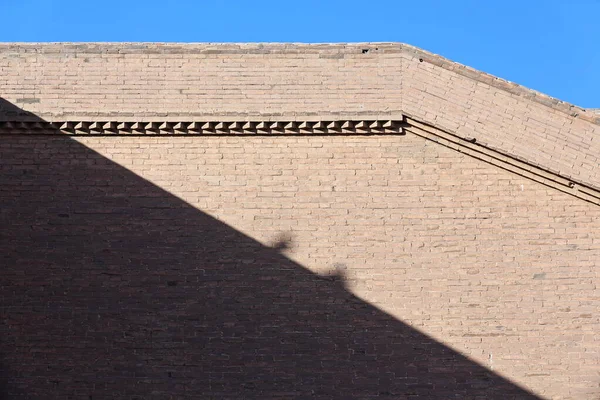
[114, 288]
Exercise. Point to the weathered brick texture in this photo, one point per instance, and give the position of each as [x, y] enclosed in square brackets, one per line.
[290, 266]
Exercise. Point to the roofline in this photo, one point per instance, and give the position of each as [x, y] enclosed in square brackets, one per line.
[588, 115]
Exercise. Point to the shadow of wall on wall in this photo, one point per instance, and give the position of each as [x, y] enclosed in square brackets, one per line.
[114, 288]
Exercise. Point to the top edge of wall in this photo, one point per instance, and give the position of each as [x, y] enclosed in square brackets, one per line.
[196, 48]
[326, 50]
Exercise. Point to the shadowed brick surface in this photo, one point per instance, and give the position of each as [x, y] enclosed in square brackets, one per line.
[291, 266]
[496, 266]
[114, 288]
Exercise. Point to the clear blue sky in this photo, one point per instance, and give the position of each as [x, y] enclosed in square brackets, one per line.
[549, 45]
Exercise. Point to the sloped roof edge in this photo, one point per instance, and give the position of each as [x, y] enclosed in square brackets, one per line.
[589, 115]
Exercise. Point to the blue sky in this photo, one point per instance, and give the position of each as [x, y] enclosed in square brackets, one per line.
[549, 45]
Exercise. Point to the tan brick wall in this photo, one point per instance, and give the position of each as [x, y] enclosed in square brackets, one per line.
[174, 81]
[496, 266]
[500, 268]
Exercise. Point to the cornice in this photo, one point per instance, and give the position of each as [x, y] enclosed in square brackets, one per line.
[202, 128]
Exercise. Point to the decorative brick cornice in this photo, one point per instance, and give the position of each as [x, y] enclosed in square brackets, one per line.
[202, 127]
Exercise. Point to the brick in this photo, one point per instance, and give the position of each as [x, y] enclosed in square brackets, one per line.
[204, 267]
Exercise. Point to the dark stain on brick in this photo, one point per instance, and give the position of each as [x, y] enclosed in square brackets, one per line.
[28, 100]
[334, 56]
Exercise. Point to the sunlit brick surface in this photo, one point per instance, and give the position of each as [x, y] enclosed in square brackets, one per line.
[112, 268]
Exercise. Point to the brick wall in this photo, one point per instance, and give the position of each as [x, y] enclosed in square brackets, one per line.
[495, 266]
[498, 267]
[120, 81]
[288, 266]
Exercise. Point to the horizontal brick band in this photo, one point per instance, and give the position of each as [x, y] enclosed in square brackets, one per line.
[203, 127]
